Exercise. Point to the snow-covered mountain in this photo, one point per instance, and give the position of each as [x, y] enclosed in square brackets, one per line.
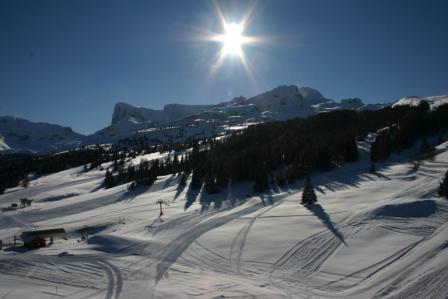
[286, 102]
[282, 102]
[169, 113]
[434, 101]
[20, 135]
[177, 122]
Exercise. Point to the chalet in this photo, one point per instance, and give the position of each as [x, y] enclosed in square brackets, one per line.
[37, 238]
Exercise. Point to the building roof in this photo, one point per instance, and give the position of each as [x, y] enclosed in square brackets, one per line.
[43, 233]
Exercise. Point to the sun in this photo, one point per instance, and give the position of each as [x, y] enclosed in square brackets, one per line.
[232, 39]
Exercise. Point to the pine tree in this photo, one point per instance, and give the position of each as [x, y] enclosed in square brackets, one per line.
[351, 150]
[109, 180]
[222, 176]
[183, 180]
[323, 159]
[25, 182]
[425, 147]
[292, 172]
[210, 185]
[308, 194]
[280, 179]
[196, 181]
[443, 188]
[131, 173]
[132, 186]
[381, 147]
[261, 180]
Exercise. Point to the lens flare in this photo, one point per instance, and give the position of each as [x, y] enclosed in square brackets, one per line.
[232, 39]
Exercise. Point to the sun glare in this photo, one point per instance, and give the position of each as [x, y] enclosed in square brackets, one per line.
[232, 39]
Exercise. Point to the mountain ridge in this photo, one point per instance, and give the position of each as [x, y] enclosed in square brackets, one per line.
[177, 122]
[21, 135]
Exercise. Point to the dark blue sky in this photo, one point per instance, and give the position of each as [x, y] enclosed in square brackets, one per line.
[69, 62]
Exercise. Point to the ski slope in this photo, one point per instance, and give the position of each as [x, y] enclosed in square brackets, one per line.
[380, 235]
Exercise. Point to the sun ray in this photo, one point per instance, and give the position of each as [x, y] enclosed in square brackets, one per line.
[233, 41]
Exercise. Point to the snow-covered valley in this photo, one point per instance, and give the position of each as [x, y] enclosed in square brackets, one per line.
[368, 236]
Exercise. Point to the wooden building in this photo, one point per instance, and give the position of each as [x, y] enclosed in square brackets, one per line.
[38, 238]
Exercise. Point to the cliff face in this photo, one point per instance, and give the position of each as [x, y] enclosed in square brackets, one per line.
[170, 112]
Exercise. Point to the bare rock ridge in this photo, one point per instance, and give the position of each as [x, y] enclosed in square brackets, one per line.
[169, 113]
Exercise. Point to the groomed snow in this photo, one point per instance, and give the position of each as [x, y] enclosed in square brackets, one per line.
[369, 236]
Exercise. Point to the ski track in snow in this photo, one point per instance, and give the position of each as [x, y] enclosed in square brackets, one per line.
[395, 213]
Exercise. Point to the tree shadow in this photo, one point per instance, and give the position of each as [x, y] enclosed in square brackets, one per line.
[16, 249]
[190, 197]
[266, 199]
[168, 181]
[130, 195]
[417, 209]
[180, 188]
[229, 198]
[382, 176]
[99, 187]
[321, 190]
[320, 213]
[351, 175]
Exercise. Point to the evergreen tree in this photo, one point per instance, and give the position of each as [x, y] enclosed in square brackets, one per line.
[425, 147]
[132, 186]
[372, 168]
[210, 185]
[25, 182]
[222, 176]
[280, 179]
[130, 173]
[381, 147]
[196, 181]
[2, 189]
[121, 175]
[443, 188]
[292, 173]
[323, 159]
[109, 180]
[183, 180]
[424, 106]
[261, 179]
[308, 194]
[351, 150]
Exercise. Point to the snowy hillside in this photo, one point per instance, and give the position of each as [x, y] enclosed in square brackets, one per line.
[377, 235]
[20, 135]
[434, 101]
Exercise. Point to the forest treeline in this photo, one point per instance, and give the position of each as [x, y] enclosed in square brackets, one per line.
[268, 153]
[282, 152]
